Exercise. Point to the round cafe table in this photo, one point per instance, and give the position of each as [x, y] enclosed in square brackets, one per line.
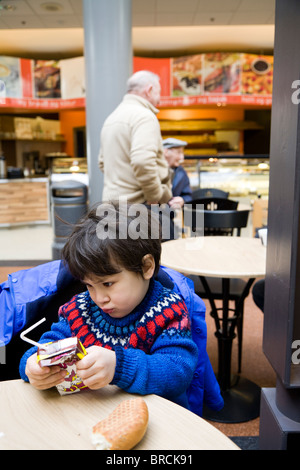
[225, 258]
[32, 419]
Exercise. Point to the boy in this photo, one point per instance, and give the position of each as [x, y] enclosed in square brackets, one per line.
[136, 332]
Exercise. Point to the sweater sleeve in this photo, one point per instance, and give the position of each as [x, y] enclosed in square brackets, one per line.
[59, 330]
[167, 371]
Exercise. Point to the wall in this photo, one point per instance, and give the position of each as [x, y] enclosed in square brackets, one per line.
[233, 114]
[69, 120]
[76, 118]
[216, 113]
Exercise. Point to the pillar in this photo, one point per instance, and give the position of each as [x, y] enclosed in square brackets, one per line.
[108, 65]
[280, 416]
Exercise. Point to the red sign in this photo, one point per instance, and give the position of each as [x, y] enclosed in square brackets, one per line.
[204, 79]
[162, 67]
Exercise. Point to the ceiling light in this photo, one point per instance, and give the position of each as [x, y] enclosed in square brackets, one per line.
[51, 6]
[7, 7]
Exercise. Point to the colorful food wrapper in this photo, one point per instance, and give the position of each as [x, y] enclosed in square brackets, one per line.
[64, 353]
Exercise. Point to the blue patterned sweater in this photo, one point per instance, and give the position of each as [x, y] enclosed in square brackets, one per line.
[154, 349]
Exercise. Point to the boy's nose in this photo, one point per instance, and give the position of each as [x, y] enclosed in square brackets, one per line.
[102, 299]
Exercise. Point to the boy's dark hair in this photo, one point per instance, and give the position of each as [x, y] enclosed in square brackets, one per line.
[111, 237]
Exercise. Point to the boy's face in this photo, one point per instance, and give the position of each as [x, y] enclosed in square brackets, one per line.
[117, 294]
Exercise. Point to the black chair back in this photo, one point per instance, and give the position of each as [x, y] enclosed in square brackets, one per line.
[215, 203]
[213, 223]
[209, 192]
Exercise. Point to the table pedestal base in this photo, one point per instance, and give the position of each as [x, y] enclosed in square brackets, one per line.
[241, 403]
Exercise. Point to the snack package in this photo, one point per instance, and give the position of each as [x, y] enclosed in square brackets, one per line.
[64, 353]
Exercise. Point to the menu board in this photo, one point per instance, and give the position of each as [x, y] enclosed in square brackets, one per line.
[200, 79]
[187, 75]
[257, 75]
[46, 79]
[10, 82]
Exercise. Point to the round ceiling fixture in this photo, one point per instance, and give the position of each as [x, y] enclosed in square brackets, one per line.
[52, 6]
[7, 7]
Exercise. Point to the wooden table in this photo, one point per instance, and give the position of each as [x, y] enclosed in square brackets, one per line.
[33, 419]
[226, 258]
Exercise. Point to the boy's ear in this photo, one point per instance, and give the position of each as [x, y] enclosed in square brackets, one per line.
[148, 266]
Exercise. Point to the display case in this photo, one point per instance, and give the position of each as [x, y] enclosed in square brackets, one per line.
[64, 168]
[243, 176]
[61, 163]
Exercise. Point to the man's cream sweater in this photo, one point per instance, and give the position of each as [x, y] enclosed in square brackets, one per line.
[131, 154]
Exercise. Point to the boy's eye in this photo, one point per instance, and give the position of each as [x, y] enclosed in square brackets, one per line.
[107, 284]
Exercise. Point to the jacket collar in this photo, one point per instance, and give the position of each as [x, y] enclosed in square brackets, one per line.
[140, 99]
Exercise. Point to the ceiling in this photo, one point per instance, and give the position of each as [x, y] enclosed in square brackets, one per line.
[54, 29]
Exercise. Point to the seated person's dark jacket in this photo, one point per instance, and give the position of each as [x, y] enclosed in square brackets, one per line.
[181, 184]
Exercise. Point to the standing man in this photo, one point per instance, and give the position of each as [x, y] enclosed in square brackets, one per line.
[131, 153]
[174, 154]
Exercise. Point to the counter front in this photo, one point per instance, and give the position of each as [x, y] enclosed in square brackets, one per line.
[24, 201]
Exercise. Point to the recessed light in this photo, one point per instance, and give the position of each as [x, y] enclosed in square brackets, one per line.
[51, 6]
[7, 7]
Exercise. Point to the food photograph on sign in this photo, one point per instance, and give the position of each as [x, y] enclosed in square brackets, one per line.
[221, 72]
[72, 78]
[10, 81]
[46, 79]
[257, 74]
[186, 75]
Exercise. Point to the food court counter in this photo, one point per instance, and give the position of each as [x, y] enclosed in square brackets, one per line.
[24, 201]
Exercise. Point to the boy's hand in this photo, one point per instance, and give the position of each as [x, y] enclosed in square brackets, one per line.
[43, 377]
[97, 369]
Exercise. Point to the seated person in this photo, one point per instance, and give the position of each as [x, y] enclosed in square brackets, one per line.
[136, 332]
[258, 294]
[181, 190]
[258, 290]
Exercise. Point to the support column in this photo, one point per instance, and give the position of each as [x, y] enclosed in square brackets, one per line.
[108, 65]
[280, 417]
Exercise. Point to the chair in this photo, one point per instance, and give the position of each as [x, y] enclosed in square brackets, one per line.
[211, 288]
[209, 192]
[216, 222]
[215, 203]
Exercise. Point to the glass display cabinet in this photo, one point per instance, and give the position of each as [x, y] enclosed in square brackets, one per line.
[243, 176]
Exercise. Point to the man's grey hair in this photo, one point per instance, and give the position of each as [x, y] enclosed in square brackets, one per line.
[139, 80]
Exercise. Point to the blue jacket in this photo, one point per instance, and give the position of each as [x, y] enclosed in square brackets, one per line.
[28, 293]
[204, 387]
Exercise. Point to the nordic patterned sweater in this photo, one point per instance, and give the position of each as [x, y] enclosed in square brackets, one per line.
[154, 349]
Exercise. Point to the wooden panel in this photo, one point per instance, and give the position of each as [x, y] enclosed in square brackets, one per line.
[259, 214]
[24, 202]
